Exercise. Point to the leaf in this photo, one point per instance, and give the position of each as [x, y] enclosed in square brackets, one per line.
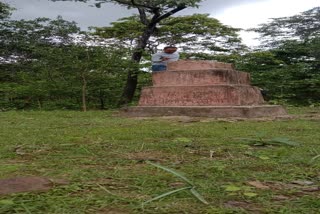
[6, 202]
[166, 194]
[198, 196]
[250, 194]
[232, 188]
[192, 188]
[285, 141]
[172, 172]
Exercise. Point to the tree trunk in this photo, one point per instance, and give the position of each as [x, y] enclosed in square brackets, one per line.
[132, 78]
[102, 106]
[39, 104]
[84, 91]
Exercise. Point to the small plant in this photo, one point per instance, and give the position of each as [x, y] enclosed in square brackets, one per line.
[260, 140]
[191, 186]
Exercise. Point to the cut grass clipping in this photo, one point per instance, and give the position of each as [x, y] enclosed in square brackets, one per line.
[191, 186]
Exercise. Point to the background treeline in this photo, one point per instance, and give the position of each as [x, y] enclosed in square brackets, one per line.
[52, 64]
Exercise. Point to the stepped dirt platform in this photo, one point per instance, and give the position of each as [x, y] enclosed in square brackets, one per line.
[202, 89]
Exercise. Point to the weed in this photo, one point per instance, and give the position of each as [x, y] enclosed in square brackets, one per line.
[191, 186]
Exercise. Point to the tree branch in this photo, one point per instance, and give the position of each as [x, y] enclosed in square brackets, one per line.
[143, 16]
[133, 3]
[166, 15]
[156, 15]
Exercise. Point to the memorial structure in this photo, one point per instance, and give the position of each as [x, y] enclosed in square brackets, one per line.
[202, 89]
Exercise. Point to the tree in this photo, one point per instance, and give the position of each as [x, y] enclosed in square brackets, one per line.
[43, 66]
[5, 10]
[21, 42]
[301, 27]
[150, 14]
[18, 38]
[194, 33]
[83, 72]
[295, 41]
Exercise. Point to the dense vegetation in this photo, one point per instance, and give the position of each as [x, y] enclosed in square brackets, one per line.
[52, 64]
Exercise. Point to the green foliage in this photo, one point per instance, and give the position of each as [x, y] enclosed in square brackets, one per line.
[194, 33]
[20, 38]
[58, 77]
[5, 10]
[43, 67]
[125, 29]
[258, 62]
[192, 189]
[304, 26]
[197, 33]
[287, 66]
[293, 42]
[172, 172]
[166, 194]
[281, 76]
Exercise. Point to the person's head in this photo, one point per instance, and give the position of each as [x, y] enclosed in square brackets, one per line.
[170, 49]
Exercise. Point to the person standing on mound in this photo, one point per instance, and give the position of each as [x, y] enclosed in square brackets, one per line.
[160, 60]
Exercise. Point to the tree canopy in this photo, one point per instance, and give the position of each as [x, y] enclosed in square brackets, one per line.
[44, 66]
[151, 13]
[193, 33]
[303, 27]
[295, 40]
[5, 10]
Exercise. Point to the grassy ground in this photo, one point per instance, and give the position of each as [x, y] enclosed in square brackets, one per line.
[103, 156]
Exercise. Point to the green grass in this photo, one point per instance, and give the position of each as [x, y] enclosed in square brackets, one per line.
[103, 156]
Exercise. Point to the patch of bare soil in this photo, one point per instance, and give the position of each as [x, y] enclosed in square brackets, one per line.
[28, 184]
[296, 188]
[253, 208]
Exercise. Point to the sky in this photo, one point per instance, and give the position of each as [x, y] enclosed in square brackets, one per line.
[236, 13]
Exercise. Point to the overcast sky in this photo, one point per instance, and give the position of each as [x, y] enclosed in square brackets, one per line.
[237, 13]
